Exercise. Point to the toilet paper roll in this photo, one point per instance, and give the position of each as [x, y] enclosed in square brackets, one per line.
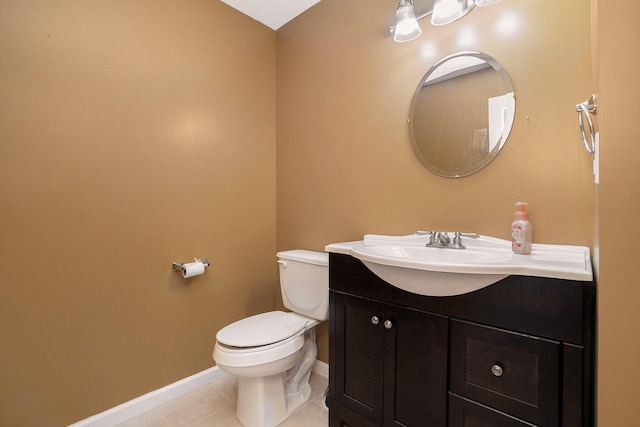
[192, 269]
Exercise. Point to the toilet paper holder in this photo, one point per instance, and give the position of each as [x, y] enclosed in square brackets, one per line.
[177, 265]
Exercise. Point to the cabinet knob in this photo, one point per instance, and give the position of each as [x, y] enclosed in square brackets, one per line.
[497, 370]
[375, 320]
[388, 324]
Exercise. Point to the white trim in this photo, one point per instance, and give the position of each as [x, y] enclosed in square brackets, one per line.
[321, 369]
[155, 398]
[152, 399]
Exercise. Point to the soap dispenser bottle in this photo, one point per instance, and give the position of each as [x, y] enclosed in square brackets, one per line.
[521, 231]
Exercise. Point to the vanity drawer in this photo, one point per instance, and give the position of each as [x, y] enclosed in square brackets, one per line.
[511, 372]
[466, 413]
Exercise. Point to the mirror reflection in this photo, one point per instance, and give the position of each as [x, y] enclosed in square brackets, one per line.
[461, 114]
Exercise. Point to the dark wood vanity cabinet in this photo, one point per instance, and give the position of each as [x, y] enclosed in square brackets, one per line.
[383, 356]
[517, 353]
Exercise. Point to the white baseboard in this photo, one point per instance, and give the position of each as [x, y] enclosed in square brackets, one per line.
[148, 401]
[321, 369]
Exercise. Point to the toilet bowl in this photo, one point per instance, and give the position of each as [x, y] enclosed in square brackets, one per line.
[272, 353]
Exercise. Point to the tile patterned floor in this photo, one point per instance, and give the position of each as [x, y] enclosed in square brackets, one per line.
[214, 405]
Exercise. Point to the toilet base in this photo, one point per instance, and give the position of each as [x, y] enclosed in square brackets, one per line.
[267, 401]
[262, 401]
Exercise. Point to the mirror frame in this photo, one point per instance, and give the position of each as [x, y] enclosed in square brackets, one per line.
[463, 170]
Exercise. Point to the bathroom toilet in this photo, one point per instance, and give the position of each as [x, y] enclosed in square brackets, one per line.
[272, 353]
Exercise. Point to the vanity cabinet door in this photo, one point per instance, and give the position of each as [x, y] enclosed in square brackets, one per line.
[358, 345]
[388, 363]
[513, 373]
[415, 368]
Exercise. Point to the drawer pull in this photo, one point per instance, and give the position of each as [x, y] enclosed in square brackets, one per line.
[375, 320]
[497, 370]
[388, 324]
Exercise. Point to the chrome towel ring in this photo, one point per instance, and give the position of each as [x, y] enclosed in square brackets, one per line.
[587, 108]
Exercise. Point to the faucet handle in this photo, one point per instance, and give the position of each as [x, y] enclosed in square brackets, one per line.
[469, 235]
[457, 240]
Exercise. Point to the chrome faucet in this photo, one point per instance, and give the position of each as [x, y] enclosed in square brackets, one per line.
[444, 238]
[441, 239]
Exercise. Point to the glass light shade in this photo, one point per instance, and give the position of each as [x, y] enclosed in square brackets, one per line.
[407, 27]
[486, 2]
[447, 11]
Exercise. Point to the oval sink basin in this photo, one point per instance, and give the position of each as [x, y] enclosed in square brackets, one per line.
[405, 262]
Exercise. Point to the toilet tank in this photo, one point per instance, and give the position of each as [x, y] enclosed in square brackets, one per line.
[304, 282]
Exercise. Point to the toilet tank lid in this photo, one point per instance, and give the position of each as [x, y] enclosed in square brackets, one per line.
[261, 329]
[311, 257]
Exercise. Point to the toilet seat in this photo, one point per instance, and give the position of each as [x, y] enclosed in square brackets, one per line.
[260, 339]
[262, 330]
[237, 357]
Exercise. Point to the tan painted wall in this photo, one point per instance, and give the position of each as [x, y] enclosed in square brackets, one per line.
[344, 163]
[132, 134]
[618, 88]
[123, 129]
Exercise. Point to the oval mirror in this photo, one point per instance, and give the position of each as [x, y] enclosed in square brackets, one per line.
[461, 114]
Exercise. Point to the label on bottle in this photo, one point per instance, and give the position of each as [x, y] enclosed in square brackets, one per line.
[516, 238]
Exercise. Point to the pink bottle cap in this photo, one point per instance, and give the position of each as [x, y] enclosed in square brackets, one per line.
[521, 210]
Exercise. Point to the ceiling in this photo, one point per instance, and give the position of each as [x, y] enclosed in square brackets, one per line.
[272, 13]
[275, 13]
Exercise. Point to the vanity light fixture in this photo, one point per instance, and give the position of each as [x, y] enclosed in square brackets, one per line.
[443, 12]
[407, 27]
[447, 11]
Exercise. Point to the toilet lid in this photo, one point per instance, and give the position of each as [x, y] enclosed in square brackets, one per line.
[261, 329]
